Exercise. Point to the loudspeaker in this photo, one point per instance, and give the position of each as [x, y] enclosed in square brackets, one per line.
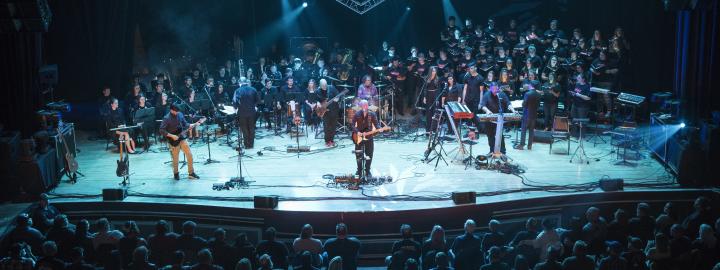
[266, 202]
[49, 74]
[543, 136]
[611, 184]
[464, 197]
[113, 194]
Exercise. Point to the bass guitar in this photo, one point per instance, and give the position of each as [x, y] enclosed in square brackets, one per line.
[123, 164]
[181, 135]
[323, 108]
[71, 165]
[359, 137]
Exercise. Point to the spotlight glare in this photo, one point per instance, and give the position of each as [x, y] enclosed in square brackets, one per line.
[305, 4]
[682, 125]
[407, 8]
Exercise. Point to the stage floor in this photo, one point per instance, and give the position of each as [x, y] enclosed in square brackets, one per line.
[299, 182]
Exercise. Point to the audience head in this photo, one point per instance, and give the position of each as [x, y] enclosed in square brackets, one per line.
[77, 254]
[642, 210]
[677, 231]
[241, 239]
[548, 224]
[244, 264]
[592, 214]
[60, 221]
[621, 216]
[470, 226]
[494, 254]
[437, 235]
[44, 200]
[341, 230]
[189, 227]
[662, 242]
[269, 234]
[580, 248]
[204, 256]
[102, 225]
[140, 255]
[306, 259]
[23, 220]
[521, 263]
[441, 260]
[306, 232]
[49, 248]
[706, 234]
[335, 264]
[411, 264]
[82, 227]
[702, 204]
[614, 248]
[493, 225]
[219, 234]
[532, 224]
[131, 228]
[554, 252]
[265, 261]
[635, 243]
[178, 257]
[406, 231]
[162, 227]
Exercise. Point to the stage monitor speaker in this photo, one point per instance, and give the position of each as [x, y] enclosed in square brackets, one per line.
[114, 194]
[464, 197]
[266, 202]
[611, 184]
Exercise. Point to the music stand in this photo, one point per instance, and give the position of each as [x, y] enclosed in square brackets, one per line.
[580, 150]
[145, 118]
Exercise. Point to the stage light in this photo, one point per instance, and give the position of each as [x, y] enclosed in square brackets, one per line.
[682, 125]
[407, 8]
[304, 4]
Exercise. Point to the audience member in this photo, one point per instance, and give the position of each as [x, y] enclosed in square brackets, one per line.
[305, 261]
[176, 262]
[551, 262]
[18, 258]
[44, 214]
[190, 243]
[84, 239]
[613, 261]
[494, 237]
[245, 249]
[77, 260]
[436, 243]
[49, 260]
[680, 245]
[244, 264]
[441, 262]
[24, 232]
[344, 246]
[127, 246]
[205, 261]
[306, 242]
[595, 231]
[223, 253]
[701, 215]
[547, 238]
[642, 225]
[529, 253]
[62, 235]
[520, 263]
[335, 264]
[403, 249]
[635, 257]
[275, 250]
[495, 260]
[705, 250]
[658, 252]
[618, 229]
[104, 234]
[265, 262]
[467, 248]
[579, 260]
[411, 264]
[140, 260]
[162, 244]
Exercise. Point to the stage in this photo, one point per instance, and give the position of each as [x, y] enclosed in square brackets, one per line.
[300, 183]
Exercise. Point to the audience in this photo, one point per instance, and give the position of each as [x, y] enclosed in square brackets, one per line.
[347, 247]
[467, 248]
[44, 214]
[276, 251]
[404, 249]
[624, 243]
[190, 243]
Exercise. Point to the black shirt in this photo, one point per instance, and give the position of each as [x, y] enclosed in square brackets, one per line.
[326, 95]
[116, 118]
[584, 89]
[245, 99]
[277, 250]
[492, 102]
[364, 123]
[531, 102]
[548, 90]
[467, 250]
[348, 249]
[473, 84]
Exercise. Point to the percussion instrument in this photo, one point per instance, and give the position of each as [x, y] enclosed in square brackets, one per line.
[345, 86]
[49, 119]
[484, 117]
[58, 106]
[227, 110]
[349, 113]
[459, 110]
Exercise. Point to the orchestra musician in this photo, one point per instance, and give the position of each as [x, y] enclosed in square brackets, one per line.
[147, 127]
[310, 103]
[171, 126]
[495, 101]
[367, 90]
[116, 118]
[397, 74]
[363, 122]
[293, 94]
[244, 100]
[603, 75]
[580, 98]
[325, 94]
[272, 104]
[187, 89]
[505, 83]
[431, 99]
[550, 91]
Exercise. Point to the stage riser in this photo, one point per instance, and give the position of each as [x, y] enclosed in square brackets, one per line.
[378, 230]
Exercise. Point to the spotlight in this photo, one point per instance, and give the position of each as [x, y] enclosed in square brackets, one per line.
[682, 125]
[304, 4]
[407, 8]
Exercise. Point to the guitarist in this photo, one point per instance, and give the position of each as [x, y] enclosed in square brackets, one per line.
[325, 94]
[364, 122]
[174, 123]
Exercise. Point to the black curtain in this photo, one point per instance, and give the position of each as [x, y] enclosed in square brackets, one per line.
[696, 61]
[21, 57]
[92, 43]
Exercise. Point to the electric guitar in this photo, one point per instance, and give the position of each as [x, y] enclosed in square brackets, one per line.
[181, 134]
[71, 165]
[323, 108]
[123, 164]
[358, 137]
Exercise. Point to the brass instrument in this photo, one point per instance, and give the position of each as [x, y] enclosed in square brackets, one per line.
[344, 75]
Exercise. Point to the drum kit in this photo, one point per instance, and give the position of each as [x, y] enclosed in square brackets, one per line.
[380, 105]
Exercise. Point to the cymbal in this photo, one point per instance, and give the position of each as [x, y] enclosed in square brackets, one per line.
[344, 85]
[349, 97]
[378, 68]
[332, 78]
[380, 85]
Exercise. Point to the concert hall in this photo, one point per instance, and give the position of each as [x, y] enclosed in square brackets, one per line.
[194, 135]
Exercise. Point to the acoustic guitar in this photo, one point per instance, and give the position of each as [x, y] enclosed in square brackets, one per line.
[71, 165]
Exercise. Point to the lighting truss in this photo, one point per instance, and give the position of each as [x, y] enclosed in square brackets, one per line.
[360, 6]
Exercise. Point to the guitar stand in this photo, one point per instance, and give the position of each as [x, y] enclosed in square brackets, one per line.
[209, 159]
[73, 176]
[125, 178]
